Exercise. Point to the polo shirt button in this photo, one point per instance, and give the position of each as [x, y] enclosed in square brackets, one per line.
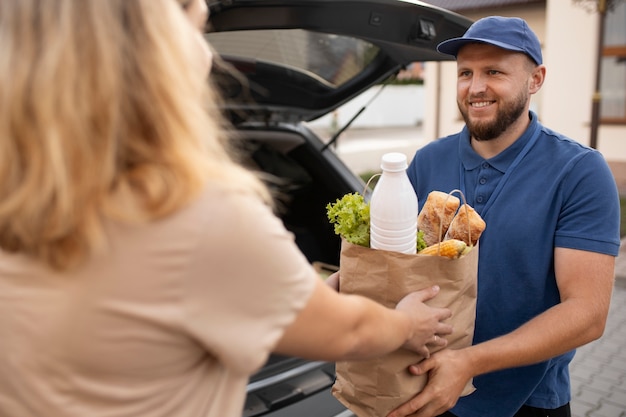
[483, 181]
[485, 165]
[479, 199]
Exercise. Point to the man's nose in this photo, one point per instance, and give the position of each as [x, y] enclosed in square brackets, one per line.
[478, 84]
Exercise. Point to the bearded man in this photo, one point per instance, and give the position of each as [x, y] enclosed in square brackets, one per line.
[547, 255]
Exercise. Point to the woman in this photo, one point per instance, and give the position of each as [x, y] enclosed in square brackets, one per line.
[142, 272]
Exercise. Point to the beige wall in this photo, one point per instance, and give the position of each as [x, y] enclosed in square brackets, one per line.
[568, 36]
[570, 60]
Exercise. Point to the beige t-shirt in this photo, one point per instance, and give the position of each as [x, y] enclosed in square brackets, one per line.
[170, 322]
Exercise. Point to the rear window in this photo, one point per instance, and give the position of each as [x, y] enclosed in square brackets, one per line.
[331, 59]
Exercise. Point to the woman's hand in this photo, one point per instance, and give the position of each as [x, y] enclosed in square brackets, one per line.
[428, 326]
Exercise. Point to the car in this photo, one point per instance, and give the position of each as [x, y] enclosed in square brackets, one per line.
[281, 64]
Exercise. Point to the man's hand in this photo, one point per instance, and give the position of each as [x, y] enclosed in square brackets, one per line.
[448, 373]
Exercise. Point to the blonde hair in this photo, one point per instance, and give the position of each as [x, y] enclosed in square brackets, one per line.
[103, 114]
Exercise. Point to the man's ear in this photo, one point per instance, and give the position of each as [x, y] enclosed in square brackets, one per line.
[537, 77]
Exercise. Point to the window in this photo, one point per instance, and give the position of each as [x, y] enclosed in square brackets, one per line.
[613, 75]
[330, 59]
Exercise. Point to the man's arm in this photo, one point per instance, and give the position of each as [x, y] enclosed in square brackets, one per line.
[585, 282]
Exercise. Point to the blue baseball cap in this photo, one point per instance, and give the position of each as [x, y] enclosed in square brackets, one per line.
[510, 33]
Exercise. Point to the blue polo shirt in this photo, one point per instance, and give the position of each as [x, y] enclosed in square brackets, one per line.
[542, 192]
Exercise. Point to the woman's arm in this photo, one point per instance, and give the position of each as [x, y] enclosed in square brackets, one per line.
[335, 326]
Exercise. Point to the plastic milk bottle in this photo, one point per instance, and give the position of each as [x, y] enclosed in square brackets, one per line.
[394, 208]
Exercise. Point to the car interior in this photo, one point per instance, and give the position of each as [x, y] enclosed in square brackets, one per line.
[301, 185]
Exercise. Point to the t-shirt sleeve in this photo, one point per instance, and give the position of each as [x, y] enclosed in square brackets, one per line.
[590, 216]
[247, 282]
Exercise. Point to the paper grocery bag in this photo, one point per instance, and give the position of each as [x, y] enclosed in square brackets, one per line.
[375, 387]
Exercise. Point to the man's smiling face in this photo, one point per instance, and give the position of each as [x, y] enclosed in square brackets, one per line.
[493, 88]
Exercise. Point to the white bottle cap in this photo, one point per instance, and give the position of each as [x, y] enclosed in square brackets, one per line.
[393, 162]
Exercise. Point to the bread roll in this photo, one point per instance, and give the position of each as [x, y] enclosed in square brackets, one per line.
[462, 230]
[439, 208]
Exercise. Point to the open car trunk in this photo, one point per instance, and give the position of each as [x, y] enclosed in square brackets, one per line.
[285, 62]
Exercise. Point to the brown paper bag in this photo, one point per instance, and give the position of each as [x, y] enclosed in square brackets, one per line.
[375, 387]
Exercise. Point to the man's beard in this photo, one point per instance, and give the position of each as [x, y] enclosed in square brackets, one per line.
[507, 114]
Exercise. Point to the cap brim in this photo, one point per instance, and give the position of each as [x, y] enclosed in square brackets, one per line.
[452, 46]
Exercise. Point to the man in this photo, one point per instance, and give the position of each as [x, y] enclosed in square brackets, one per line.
[547, 255]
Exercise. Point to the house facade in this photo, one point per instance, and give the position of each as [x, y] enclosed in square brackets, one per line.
[568, 32]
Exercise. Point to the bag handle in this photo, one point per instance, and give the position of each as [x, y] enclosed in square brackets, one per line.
[369, 181]
[439, 213]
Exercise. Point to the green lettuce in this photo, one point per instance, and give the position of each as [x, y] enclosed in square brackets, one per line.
[351, 218]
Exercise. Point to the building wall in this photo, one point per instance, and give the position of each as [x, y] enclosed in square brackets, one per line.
[570, 61]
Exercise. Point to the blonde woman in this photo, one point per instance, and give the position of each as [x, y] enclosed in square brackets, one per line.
[142, 273]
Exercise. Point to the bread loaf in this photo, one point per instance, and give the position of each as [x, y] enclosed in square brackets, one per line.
[439, 209]
[462, 229]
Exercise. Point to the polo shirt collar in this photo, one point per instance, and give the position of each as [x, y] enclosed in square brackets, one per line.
[471, 160]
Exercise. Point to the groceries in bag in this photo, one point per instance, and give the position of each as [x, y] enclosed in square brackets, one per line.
[375, 387]
[351, 218]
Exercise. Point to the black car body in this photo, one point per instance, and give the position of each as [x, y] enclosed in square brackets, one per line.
[291, 62]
